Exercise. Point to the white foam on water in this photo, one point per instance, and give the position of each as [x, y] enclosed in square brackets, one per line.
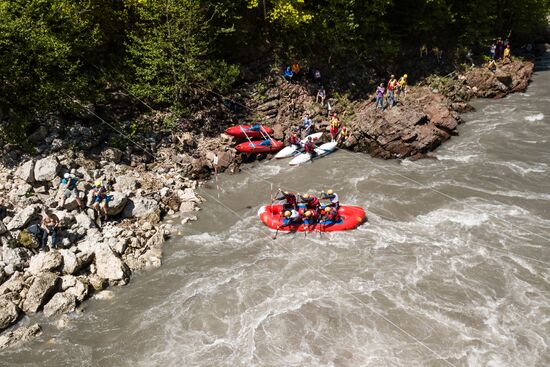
[462, 159]
[535, 117]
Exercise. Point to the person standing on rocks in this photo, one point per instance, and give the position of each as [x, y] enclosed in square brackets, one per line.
[321, 95]
[402, 85]
[334, 126]
[69, 186]
[392, 86]
[49, 226]
[499, 49]
[380, 96]
[100, 199]
[506, 55]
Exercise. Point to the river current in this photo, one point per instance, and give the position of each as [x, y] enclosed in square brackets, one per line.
[452, 268]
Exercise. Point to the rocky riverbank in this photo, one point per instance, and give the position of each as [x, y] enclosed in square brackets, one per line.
[424, 118]
[159, 178]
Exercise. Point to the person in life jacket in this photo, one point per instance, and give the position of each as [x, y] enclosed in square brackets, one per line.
[309, 147]
[291, 217]
[69, 186]
[344, 135]
[402, 85]
[334, 126]
[330, 215]
[289, 198]
[311, 216]
[311, 201]
[392, 84]
[100, 199]
[294, 140]
[334, 200]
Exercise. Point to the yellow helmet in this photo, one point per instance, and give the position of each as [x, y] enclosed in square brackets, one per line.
[307, 214]
[405, 76]
[330, 192]
[97, 183]
[306, 196]
[287, 213]
[328, 209]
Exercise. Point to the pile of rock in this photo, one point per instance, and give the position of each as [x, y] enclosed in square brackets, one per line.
[89, 257]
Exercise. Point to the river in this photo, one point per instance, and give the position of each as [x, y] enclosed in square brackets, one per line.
[452, 268]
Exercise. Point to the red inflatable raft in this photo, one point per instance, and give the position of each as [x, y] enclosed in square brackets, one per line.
[351, 218]
[240, 130]
[256, 147]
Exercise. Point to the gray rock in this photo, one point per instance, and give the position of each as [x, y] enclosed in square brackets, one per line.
[59, 304]
[24, 217]
[84, 221]
[80, 290]
[112, 154]
[18, 257]
[188, 195]
[46, 169]
[19, 336]
[39, 134]
[22, 190]
[14, 284]
[126, 184]
[3, 228]
[140, 207]
[67, 281]
[45, 261]
[117, 203]
[70, 262]
[187, 207]
[9, 313]
[40, 291]
[26, 172]
[108, 265]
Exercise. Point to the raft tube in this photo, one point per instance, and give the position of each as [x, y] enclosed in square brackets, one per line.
[255, 147]
[351, 218]
[241, 131]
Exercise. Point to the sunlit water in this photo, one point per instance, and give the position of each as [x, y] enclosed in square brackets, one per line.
[450, 270]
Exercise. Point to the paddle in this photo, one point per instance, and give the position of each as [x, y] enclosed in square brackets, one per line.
[279, 226]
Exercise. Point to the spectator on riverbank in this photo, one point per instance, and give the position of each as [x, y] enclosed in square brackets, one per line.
[380, 96]
[100, 200]
[506, 56]
[499, 49]
[402, 85]
[321, 95]
[470, 57]
[391, 87]
[69, 189]
[307, 125]
[317, 76]
[287, 74]
[492, 51]
[296, 70]
[49, 225]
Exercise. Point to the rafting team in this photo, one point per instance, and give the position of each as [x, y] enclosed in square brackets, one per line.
[307, 208]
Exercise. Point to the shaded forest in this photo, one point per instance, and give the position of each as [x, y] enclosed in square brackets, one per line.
[170, 52]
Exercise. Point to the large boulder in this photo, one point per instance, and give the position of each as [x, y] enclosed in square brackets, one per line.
[117, 203]
[24, 217]
[112, 154]
[80, 290]
[40, 291]
[46, 169]
[126, 184]
[140, 207]
[26, 171]
[45, 261]
[17, 257]
[19, 336]
[59, 304]
[9, 313]
[70, 262]
[108, 265]
[84, 221]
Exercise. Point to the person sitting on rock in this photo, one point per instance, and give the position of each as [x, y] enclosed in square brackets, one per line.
[492, 66]
[100, 199]
[291, 217]
[332, 197]
[296, 70]
[288, 197]
[380, 97]
[49, 225]
[321, 95]
[307, 125]
[288, 74]
[69, 186]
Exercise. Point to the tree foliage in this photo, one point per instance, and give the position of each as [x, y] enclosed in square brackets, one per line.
[165, 50]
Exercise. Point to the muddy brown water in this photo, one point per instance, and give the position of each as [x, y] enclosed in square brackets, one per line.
[452, 268]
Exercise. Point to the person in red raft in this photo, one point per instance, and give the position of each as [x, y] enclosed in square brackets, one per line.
[289, 199]
[330, 215]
